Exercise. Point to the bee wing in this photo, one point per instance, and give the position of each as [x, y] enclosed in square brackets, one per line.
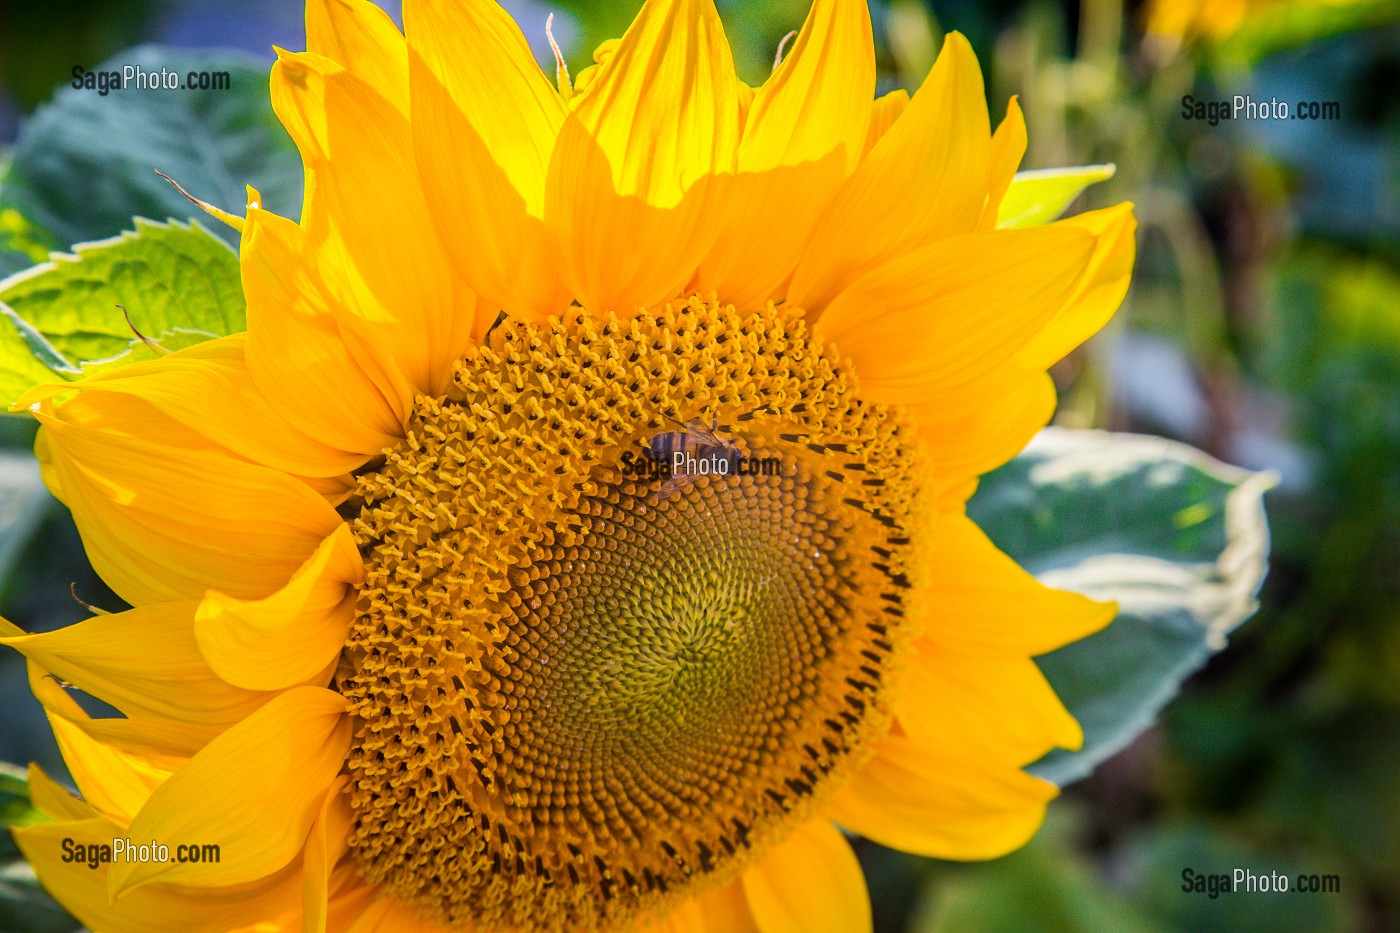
[673, 485]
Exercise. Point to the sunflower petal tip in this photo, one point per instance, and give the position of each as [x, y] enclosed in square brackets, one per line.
[1098, 615]
[956, 40]
[1073, 739]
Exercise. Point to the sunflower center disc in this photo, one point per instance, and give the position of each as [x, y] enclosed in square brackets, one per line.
[584, 692]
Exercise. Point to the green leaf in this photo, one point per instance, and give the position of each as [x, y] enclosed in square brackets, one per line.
[1041, 195]
[64, 319]
[85, 163]
[1177, 539]
[23, 904]
[23, 502]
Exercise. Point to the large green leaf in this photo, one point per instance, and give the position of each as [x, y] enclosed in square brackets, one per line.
[86, 163]
[23, 904]
[64, 319]
[1176, 538]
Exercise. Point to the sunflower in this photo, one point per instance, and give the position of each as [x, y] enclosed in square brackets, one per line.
[421, 640]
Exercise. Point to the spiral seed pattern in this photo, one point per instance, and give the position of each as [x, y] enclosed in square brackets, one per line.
[578, 700]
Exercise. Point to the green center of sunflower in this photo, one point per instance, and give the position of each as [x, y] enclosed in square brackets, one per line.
[585, 690]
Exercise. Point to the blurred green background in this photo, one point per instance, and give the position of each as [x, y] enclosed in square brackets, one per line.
[1263, 326]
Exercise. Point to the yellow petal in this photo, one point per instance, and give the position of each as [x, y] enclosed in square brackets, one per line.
[805, 132]
[670, 83]
[149, 739]
[334, 489]
[634, 186]
[143, 661]
[810, 883]
[156, 908]
[724, 910]
[945, 314]
[295, 351]
[975, 428]
[329, 838]
[883, 115]
[485, 120]
[988, 605]
[994, 709]
[387, 914]
[164, 744]
[44, 455]
[114, 782]
[286, 638]
[350, 898]
[207, 388]
[367, 225]
[364, 40]
[1102, 285]
[1039, 196]
[165, 515]
[254, 791]
[923, 181]
[53, 799]
[472, 45]
[927, 801]
[1008, 147]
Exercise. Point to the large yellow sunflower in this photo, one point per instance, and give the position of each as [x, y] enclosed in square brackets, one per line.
[415, 642]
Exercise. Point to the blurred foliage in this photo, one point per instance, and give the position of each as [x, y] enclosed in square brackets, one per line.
[1263, 327]
[86, 163]
[41, 42]
[1239, 33]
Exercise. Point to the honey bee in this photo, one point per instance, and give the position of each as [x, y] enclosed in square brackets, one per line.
[693, 451]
